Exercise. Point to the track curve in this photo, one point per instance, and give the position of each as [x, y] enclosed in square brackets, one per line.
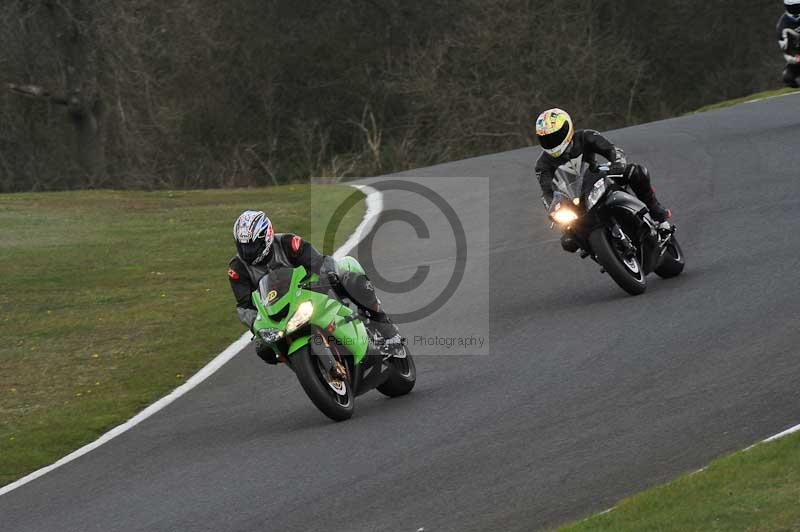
[587, 395]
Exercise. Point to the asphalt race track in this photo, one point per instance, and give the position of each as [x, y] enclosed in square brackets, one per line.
[581, 394]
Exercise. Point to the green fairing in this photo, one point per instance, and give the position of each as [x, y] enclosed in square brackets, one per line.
[350, 335]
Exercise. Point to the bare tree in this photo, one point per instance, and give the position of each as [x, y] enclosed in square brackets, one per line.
[197, 93]
[71, 24]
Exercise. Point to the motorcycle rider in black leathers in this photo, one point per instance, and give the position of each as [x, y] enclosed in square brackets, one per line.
[789, 41]
[562, 144]
[259, 250]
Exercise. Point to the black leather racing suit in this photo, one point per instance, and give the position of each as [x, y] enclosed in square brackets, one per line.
[588, 144]
[289, 251]
[789, 41]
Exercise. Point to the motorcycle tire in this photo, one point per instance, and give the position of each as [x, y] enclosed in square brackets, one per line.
[672, 263]
[402, 378]
[311, 374]
[630, 278]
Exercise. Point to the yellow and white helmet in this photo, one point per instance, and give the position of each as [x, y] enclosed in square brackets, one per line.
[555, 131]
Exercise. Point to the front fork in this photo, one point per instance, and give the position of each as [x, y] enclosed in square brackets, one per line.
[321, 348]
[623, 241]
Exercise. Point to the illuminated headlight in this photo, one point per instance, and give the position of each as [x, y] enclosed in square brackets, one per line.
[564, 216]
[270, 336]
[597, 192]
[300, 317]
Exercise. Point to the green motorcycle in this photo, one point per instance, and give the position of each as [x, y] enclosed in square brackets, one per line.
[315, 329]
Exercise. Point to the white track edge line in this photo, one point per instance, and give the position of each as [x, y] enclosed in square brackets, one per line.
[374, 201]
[756, 100]
[783, 434]
[770, 439]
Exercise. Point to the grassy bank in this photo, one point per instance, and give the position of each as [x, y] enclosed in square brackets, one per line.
[94, 287]
[744, 99]
[757, 490]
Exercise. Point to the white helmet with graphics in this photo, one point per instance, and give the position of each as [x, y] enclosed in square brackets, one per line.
[253, 235]
[792, 8]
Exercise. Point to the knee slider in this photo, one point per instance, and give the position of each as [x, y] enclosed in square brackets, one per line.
[360, 290]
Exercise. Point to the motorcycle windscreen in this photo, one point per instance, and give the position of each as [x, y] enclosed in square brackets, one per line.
[569, 178]
[273, 286]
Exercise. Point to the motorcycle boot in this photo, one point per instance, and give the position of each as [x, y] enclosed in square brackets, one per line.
[639, 180]
[390, 334]
[657, 211]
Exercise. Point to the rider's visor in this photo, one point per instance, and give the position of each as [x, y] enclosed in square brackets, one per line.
[553, 140]
[250, 251]
[793, 10]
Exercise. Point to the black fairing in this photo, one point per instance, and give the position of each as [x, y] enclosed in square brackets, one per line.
[619, 199]
[370, 374]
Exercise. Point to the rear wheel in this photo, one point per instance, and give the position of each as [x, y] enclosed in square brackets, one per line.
[626, 270]
[403, 375]
[333, 396]
[672, 263]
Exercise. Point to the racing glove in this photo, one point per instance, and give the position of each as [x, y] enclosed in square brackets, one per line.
[617, 168]
[330, 270]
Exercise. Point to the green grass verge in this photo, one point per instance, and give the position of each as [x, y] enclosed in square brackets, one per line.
[757, 490]
[94, 290]
[744, 99]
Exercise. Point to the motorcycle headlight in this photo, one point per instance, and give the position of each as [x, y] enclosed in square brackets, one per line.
[564, 216]
[300, 316]
[597, 192]
[270, 336]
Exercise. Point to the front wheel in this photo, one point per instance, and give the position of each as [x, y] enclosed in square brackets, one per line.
[672, 263]
[626, 271]
[403, 375]
[334, 397]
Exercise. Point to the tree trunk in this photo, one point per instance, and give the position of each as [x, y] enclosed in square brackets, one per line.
[72, 24]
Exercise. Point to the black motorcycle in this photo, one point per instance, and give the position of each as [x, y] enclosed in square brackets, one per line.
[606, 222]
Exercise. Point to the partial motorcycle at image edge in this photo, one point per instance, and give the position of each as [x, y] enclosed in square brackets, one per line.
[313, 327]
[614, 227]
